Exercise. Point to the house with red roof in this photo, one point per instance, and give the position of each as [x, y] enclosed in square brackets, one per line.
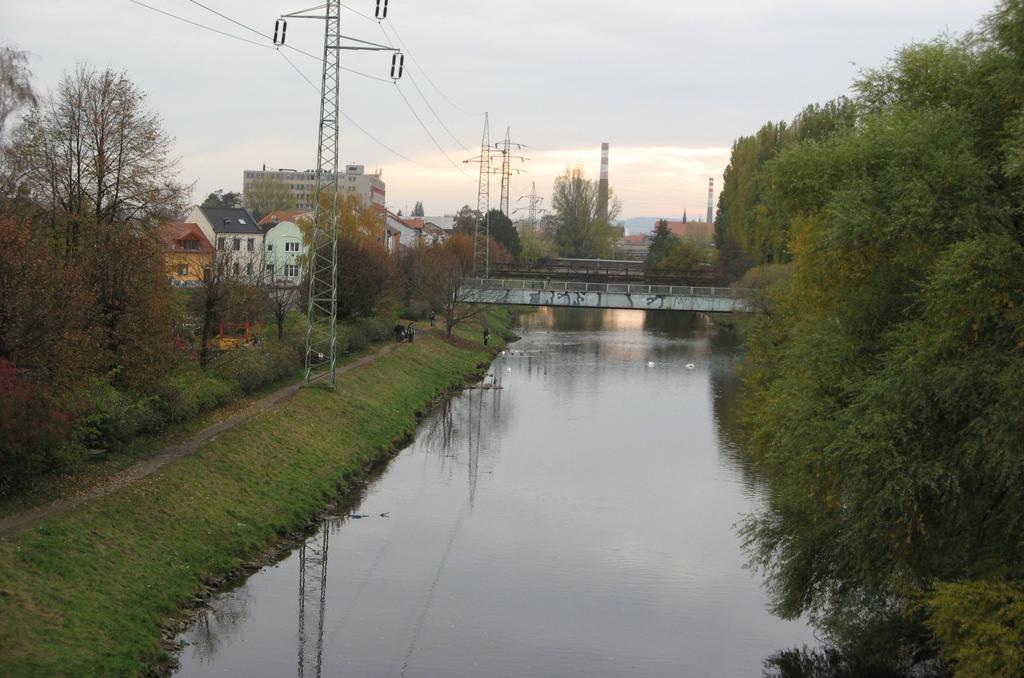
[188, 253]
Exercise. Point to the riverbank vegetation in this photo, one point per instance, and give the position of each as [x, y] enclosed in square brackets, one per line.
[86, 593]
[884, 381]
[96, 347]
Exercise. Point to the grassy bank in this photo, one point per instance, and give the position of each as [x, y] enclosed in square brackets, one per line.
[85, 594]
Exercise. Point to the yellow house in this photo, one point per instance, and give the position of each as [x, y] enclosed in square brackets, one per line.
[187, 252]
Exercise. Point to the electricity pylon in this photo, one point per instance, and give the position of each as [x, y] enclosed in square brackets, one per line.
[322, 308]
[481, 233]
[533, 205]
[506, 168]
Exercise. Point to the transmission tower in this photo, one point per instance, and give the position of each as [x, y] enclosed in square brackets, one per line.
[322, 309]
[533, 205]
[506, 168]
[481, 252]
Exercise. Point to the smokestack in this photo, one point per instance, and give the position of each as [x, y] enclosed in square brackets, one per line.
[602, 187]
[711, 199]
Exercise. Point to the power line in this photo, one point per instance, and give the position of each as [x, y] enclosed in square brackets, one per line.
[356, 124]
[356, 11]
[425, 75]
[308, 81]
[268, 37]
[199, 25]
[425, 129]
[224, 16]
[425, 100]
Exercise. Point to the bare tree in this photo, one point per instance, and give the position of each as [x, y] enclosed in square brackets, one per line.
[16, 94]
[451, 263]
[281, 294]
[211, 297]
[93, 154]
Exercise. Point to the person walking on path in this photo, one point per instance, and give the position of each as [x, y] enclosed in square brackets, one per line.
[433, 319]
[410, 332]
[399, 332]
[487, 336]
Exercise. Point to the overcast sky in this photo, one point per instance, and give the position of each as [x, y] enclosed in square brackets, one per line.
[668, 83]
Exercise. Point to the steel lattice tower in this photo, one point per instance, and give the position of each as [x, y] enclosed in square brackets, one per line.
[481, 251]
[506, 171]
[321, 328]
[322, 308]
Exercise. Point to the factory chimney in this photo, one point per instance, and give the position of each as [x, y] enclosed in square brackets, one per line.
[711, 200]
[602, 187]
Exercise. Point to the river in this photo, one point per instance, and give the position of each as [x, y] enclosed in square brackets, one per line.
[579, 521]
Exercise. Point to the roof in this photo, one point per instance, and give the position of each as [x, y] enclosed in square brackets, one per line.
[413, 222]
[277, 216]
[172, 234]
[691, 229]
[635, 239]
[231, 220]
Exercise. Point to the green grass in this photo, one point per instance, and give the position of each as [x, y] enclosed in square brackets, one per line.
[85, 594]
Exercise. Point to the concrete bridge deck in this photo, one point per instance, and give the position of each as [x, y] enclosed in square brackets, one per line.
[559, 293]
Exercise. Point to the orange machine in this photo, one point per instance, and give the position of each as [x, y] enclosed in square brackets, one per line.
[233, 335]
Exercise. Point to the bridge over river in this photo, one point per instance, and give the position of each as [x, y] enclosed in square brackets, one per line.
[612, 295]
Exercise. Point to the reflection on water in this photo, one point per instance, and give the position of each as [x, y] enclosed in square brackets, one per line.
[575, 518]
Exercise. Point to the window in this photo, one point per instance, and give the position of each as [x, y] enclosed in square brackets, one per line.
[270, 269]
[237, 245]
[235, 268]
[242, 221]
[251, 244]
[291, 271]
[291, 247]
[248, 269]
[220, 243]
[270, 247]
[183, 270]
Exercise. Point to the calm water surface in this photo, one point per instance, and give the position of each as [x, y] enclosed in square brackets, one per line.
[579, 522]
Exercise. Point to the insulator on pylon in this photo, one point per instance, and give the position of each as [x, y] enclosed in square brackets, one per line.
[280, 28]
[382, 9]
[397, 65]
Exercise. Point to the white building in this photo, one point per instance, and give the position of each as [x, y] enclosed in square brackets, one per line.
[302, 185]
[284, 247]
[234, 234]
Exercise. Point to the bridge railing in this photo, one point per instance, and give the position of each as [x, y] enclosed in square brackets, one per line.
[613, 288]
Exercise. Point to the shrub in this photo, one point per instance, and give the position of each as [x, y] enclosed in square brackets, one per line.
[355, 337]
[375, 330]
[33, 430]
[190, 392]
[111, 417]
[418, 309]
[252, 367]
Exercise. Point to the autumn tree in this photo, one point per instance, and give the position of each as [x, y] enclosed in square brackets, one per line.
[578, 231]
[466, 221]
[47, 313]
[451, 263]
[92, 154]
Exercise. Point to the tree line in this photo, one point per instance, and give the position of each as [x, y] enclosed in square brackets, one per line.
[883, 382]
[96, 347]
